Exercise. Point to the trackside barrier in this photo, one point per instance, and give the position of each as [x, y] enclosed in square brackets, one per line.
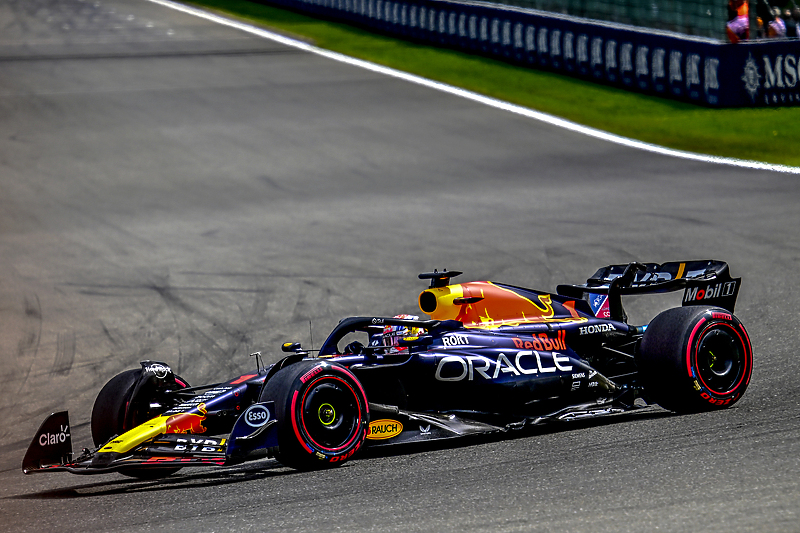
[699, 70]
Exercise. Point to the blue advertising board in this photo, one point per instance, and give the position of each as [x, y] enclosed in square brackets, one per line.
[700, 70]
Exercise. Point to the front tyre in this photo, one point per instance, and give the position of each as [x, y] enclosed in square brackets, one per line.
[322, 414]
[116, 411]
[695, 359]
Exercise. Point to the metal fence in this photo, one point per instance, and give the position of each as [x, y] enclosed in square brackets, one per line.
[705, 18]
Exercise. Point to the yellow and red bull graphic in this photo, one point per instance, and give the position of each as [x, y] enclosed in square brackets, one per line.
[482, 304]
[187, 422]
[178, 423]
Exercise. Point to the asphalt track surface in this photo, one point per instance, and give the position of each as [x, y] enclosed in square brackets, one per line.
[176, 190]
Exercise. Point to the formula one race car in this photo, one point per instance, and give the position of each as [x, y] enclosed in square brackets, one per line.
[492, 358]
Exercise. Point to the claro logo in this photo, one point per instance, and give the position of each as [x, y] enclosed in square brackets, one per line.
[48, 439]
[384, 429]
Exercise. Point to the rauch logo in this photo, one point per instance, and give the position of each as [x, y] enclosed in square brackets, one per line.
[384, 429]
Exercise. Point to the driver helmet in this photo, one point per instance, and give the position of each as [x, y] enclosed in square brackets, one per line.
[391, 335]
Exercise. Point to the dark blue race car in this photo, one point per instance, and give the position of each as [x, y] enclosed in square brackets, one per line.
[491, 358]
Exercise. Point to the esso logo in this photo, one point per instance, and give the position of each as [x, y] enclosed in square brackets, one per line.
[256, 416]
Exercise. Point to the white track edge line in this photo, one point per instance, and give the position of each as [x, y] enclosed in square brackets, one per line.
[475, 97]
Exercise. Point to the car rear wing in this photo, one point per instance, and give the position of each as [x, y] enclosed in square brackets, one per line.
[705, 282]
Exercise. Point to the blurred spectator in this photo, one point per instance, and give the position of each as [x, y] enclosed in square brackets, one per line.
[776, 28]
[763, 17]
[791, 25]
[738, 27]
[792, 20]
[770, 23]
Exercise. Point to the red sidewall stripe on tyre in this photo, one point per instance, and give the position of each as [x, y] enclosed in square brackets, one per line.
[746, 360]
[689, 350]
[294, 424]
[748, 348]
[308, 436]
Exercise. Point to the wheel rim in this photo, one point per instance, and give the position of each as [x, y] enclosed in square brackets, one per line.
[330, 414]
[720, 359]
[326, 414]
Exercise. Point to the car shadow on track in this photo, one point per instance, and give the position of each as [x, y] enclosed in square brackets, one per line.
[546, 428]
[266, 469]
[189, 478]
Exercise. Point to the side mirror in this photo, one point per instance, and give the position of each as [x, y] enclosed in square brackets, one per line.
[291, 347]
[354, 348]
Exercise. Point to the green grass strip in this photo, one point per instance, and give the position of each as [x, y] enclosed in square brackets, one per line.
[770, 135]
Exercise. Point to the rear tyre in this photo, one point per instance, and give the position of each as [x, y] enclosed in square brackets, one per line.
[116, 411]
[322, 414]
[695, 359]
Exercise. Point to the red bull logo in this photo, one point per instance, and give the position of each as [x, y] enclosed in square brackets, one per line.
[187, 422]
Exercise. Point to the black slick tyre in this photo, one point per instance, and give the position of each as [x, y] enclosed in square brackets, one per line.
[322, 414]
[695, 359]
[115, 411]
